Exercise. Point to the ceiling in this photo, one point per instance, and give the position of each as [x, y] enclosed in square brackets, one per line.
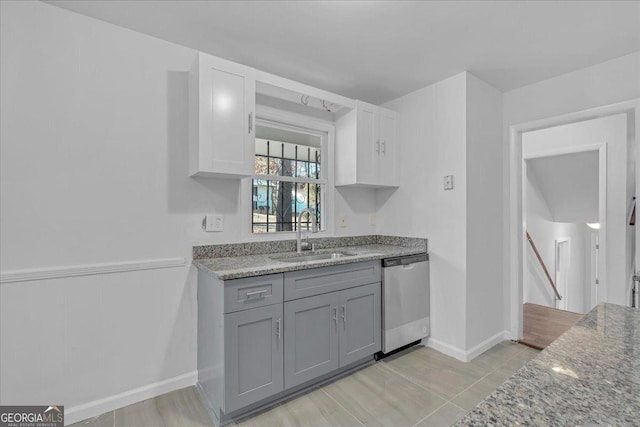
[378, 50]
[569, 184]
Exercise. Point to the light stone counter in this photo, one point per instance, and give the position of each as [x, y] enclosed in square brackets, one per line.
[588, 376]
[235, 261]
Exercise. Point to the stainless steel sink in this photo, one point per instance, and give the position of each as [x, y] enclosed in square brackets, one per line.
[314, 256]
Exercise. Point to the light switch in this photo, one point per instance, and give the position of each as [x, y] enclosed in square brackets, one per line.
[448, 182]
[213, 223]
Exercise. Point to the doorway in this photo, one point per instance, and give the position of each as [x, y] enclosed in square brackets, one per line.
[618, 265]
[563, 258]
[561, 196]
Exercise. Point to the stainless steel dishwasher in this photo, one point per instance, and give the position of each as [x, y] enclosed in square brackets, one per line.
[405, 302]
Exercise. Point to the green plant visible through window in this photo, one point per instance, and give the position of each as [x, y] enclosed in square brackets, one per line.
[287, 179]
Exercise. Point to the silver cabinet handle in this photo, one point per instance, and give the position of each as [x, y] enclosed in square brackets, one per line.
[344, 314]
[384, 148]
[278, 332]
[260, 292]
[335, 315]
[250, 122]
[378, 146]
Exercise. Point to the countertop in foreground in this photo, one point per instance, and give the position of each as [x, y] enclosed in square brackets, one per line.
[588, 376]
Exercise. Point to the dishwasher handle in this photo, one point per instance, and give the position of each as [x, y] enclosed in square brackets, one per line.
[404, 260]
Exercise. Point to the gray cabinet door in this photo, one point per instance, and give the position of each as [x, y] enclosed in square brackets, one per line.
[360, 334]
[310, 338]
[253, 355]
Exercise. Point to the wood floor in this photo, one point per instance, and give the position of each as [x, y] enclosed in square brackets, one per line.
[542, 325]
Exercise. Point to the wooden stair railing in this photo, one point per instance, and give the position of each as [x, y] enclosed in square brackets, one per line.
[535, 250]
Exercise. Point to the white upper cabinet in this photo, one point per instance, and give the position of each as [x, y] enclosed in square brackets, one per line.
[367, 147]
[388, 157]
[221, 118]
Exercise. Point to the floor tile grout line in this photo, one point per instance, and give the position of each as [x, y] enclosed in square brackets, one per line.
[340, 405]
[413, 382]
[489, 373]
[474, 383]
[430, 413]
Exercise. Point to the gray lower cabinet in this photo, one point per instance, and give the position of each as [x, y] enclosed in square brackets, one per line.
[261, 336]
[325, 332]
[253, 355]
[310, 338]
[360, 320]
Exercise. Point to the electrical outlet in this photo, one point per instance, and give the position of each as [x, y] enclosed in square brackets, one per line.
[372, 219]
[342, 221]
[448, 182]
[213, 223]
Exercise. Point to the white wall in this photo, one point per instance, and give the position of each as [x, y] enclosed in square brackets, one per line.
[611, 130]
[433, 134]
[453, 128]
[94, 132]
[484, 213]
[94, 172]
[599, 85]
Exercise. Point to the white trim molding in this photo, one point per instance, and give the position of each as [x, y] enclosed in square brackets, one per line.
[472, 353]
[516, 189]
[27, 275]
[97, 407]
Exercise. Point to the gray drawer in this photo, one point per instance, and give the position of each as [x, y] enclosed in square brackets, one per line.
[315, 281]
[243, 294]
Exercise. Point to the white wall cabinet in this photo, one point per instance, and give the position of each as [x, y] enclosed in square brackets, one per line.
[367, 147]
[221, 118]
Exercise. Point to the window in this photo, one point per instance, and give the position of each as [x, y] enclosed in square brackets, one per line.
[288, 177]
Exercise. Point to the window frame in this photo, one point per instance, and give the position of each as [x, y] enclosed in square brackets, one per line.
[300, 123]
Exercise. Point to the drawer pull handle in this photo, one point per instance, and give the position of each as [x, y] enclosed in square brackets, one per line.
[344, 314]
[260, 292]
[278, 332]
[335, 315]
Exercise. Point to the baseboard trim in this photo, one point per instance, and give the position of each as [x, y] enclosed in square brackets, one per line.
[447, 349]
[77, 413]
[485, 345]
[87, 269]
[467, 355]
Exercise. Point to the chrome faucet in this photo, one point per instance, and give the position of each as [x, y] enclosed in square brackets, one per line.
[314, 229]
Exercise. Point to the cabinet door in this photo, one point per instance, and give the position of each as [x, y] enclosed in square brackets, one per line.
[310, 337]
[224, 131]
[389, 150]
[360, 334]
[253, 355]
[368, 144]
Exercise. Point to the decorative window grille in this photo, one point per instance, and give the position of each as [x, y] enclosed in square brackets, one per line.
[287, 179]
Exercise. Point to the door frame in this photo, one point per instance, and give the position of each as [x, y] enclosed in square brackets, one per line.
[565, 291]
[594, 256]
[516, 232]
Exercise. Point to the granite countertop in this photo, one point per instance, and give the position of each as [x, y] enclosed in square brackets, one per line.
[236, 261]
[588, 376]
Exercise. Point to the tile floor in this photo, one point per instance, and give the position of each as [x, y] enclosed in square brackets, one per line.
[418, 387]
